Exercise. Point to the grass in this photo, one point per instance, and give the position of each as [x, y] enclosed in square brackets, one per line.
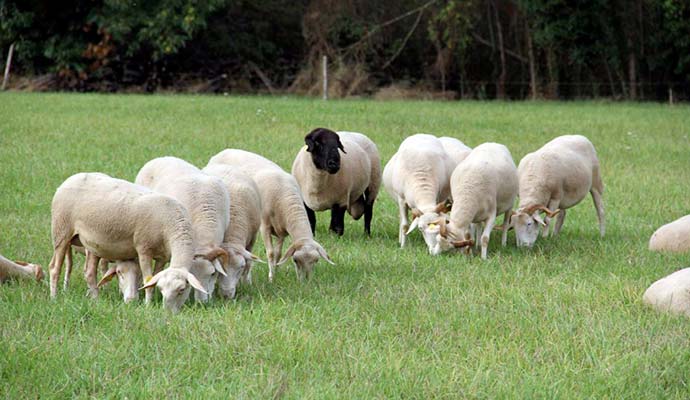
[564, 320]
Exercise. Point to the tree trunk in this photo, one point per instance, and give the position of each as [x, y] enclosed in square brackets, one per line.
[553, 73]
[501, 83]
[532, 66]
[632, 70]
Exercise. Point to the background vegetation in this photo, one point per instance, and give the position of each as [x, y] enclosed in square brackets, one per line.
[564, 320]
[556, 49]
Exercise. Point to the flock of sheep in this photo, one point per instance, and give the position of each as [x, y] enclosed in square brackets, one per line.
[204, 222]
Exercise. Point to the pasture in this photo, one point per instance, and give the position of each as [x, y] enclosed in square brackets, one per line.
[564, 320]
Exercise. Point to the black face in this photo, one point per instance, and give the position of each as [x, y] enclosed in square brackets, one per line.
[323, 144]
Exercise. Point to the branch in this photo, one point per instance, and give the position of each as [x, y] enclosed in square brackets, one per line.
[509, 52]
[389, 22]
[407, 37]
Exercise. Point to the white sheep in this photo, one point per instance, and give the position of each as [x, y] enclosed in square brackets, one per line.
[673, 237]
[671, 293]
[329, 181]
[456, 150]
[484, 185]
[552, 179]
[208, 202]
[282, 214]
[245, 221]
[418, 178]
[129, 278]
[118, 220]
[19, 269]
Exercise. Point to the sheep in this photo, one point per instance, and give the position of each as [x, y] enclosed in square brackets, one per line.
[456, 150]
[208, 203]
[418, 178]
[118, 220]
[484, 185]
[245, 217]
[19, 269]
[671, 293]
[282, 213]
[340, 183]
[673, 237]
[553, 179]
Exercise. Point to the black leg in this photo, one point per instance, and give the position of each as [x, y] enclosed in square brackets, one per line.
[368, 213]
[312, 219]
[338, 219]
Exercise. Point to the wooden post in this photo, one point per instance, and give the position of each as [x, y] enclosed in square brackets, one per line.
[324, 74]
[670, 96]
[8, 64]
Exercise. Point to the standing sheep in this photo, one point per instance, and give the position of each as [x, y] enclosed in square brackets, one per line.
[282, 212]
[552, 179]
[484, 185]
[208, 203]
[418, 178]
[118, 220]
[340, 183]
[456, 150]
[19, 269]
[245, 221]
[673, 237]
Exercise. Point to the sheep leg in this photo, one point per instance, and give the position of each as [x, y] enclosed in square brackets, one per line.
[404, 223]
[268, 244]
[103, 265]
[559, 222]
[90, 270]
[68, 268]
[338, 219]
[312, 219]
[277, 251]
[489, 225]
[599, 205]
[553, 205]
[145, 262]
[56, 265]
[368, 213]
[506, 223]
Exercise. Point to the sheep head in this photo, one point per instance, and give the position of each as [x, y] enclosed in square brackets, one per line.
[305, 255]
[207, 265]
[452, 237]
[527, 222]
[430, 224]
[175, 284]
[128, 277]
[239, 262]
[323, 144]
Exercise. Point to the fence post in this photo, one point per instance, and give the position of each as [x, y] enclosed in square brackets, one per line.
[8, 64]
[670, 96]
[324, 74]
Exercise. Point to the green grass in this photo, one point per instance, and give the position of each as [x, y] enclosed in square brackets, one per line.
[564, 320]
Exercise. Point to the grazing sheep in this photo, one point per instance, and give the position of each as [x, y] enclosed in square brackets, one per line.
[671, 293]
[552, 179]
[418, 178]
[673, 237]
[340, 183]
[118, 220]
[456, 150]
[282, 212]
[245, 220]
[19, 269]
[208, 203]
[484, 185]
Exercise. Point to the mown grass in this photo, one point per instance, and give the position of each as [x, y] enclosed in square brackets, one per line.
[564, 320]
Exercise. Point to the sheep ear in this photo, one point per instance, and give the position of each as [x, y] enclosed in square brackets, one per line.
[218, 267]
[413, 226]
[108, 276]
[538, 218]
[340, 146]
[323, 254]
[290, 251]
[196, 284]
[310, 142]
[152, 282]
[250, 256]
[443, 207]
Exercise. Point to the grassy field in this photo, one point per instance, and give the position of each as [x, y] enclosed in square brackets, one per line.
[564, 320]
